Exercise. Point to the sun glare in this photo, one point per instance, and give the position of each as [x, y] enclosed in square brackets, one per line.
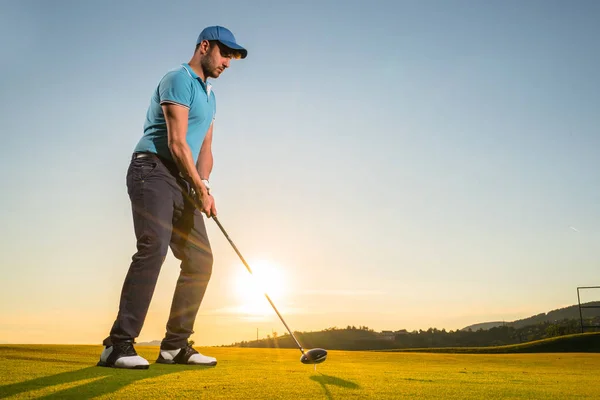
[250, 289]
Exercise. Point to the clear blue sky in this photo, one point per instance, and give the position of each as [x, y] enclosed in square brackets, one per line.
[402, 164]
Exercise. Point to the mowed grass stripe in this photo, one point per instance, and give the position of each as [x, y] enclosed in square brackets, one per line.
[577, 343]
[69, 372]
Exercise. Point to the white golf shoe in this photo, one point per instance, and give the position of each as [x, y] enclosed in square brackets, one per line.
[122, 355]
[186, 355]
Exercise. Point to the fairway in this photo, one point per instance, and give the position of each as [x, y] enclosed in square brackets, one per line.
[69, 372]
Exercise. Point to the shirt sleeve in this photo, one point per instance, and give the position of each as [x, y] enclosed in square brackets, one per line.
[175, 88]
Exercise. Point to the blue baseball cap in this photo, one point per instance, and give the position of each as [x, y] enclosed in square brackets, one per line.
[224, 36]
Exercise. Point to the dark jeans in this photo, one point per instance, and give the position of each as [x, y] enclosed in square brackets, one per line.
[163, 216]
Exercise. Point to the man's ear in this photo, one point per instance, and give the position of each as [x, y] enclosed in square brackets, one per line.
[204, 46]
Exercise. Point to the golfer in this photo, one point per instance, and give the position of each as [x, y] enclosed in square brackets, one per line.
[167, 178]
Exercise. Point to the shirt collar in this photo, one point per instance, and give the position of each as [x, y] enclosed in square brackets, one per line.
[207, 86]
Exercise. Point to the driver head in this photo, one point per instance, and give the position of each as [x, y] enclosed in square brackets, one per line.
[313, 356]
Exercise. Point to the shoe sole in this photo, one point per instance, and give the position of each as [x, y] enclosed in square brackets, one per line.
[171, 362]
[103, 364]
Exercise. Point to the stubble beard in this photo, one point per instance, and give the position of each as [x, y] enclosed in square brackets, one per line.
[210, 70]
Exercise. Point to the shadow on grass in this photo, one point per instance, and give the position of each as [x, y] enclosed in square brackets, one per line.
[326, 380]
[89, 382]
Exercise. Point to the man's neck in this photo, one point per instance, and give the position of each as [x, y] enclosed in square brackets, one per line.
[197, 68]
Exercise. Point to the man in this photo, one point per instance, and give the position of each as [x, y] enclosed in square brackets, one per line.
[167, 180]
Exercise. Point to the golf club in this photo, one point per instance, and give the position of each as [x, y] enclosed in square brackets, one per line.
[312, 356]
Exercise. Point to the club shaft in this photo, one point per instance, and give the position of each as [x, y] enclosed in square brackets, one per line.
[250, 270]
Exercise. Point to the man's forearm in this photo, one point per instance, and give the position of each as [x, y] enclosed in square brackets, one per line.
[205, 164]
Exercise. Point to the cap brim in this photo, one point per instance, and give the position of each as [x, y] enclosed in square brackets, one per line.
[234, 46]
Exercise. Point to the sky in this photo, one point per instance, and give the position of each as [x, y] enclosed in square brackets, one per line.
[390, 164]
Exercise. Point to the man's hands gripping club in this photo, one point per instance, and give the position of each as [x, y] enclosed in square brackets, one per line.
[205, 203]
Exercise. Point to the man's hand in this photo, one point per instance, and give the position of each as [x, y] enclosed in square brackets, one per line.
[206, 204]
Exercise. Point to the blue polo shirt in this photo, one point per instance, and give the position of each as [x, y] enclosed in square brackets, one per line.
[184, 87]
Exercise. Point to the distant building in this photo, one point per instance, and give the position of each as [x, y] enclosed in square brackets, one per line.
[388, 335]
[392, 335]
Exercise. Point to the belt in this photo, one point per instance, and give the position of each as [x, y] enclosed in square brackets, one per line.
[142, 155]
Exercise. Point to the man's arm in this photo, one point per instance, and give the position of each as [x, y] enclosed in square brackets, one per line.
[205, 158]
[176, 117]
[205, 163]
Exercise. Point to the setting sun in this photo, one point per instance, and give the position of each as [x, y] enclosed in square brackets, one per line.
[250, 289]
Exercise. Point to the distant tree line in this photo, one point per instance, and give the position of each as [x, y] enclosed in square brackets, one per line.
[364, 338]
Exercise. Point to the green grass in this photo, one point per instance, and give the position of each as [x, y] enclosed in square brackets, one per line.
[69, 372]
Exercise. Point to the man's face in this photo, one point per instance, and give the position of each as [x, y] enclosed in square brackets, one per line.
[216, 59]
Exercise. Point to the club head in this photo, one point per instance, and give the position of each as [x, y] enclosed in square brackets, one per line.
[313, 356]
